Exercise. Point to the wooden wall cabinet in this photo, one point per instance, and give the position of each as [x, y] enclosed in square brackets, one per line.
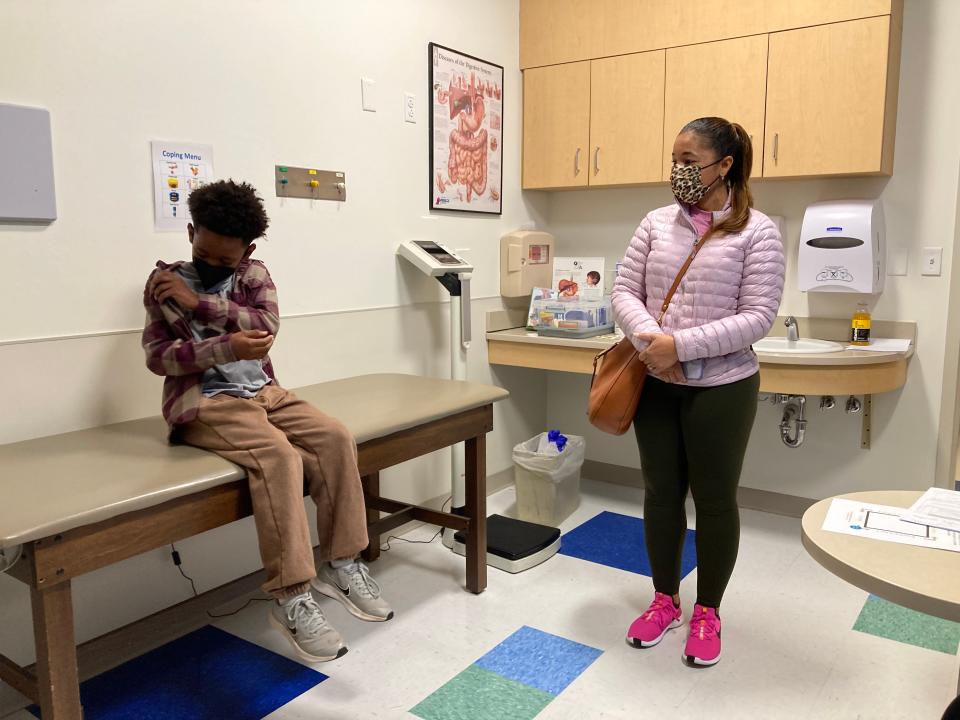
[556, 126]
[814, 83]
[829, 111]
[563, 31]
[597, 123]
[626, 119]
[738, 95]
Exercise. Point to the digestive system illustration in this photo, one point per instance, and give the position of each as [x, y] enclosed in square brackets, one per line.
[469, 146]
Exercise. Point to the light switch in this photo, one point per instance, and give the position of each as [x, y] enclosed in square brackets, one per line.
[368, 93]
[409, 108]
[931, 260]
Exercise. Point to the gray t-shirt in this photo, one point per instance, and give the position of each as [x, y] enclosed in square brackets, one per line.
[242, 378]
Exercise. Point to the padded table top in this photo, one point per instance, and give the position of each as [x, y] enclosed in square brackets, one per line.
[60, 482]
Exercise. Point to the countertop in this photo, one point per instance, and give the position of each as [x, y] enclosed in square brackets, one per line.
[602, 342]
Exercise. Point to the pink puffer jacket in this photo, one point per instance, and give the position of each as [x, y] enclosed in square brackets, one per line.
[726, 302]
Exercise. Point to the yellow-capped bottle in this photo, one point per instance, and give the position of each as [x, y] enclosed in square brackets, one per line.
[860, 326]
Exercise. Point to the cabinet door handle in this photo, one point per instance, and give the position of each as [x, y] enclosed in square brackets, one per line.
[596, 160]
[776, 147]
[576, 163]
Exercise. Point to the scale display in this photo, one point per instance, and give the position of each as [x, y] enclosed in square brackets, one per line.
[437, 252]
[433, 258]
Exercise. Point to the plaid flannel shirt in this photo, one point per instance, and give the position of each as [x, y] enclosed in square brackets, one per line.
[173, 353]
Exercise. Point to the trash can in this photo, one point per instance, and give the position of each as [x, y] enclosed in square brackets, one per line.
[547, 476]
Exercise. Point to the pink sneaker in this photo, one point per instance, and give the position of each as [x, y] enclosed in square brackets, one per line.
[703, 642]
[649, 629]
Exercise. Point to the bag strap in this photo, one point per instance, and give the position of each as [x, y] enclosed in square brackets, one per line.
[698, 243]
[676, 283]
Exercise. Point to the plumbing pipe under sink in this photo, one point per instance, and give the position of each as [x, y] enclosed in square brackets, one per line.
[793, 422]
[794, 413]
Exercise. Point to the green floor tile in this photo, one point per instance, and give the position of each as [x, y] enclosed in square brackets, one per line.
[478, 694]
[887, 620]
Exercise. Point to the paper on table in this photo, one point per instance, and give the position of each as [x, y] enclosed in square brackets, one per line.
[938, 508]
[883, 345]
[883, 522]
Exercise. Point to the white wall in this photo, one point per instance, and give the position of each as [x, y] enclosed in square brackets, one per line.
[920, 203]
[265, 84]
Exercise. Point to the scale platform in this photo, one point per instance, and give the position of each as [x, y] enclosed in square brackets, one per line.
[514, 545]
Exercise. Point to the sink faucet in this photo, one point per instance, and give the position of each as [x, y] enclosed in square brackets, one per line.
[793, 334]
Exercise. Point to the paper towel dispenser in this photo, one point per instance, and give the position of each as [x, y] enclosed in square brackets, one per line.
[843, 247]
[526, 262]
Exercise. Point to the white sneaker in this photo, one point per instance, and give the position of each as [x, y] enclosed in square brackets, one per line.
[355, 589]
[303, 623]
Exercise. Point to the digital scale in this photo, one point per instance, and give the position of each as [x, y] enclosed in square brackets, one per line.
[512, 545]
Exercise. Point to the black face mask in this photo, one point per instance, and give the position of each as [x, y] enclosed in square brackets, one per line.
[211, 275]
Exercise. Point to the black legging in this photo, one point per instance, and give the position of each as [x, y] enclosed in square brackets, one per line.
[694, 438]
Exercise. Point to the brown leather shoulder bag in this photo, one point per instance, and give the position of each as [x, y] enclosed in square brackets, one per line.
[619, 374]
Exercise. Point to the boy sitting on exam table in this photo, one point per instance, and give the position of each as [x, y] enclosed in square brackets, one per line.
[210, 323]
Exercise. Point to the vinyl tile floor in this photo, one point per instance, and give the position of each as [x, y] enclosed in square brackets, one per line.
[790, 650]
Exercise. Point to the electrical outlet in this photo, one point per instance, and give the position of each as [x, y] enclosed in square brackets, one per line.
[409, 108]
[931, 260]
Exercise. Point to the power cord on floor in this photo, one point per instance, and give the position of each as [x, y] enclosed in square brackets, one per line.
[179, 563]
[247, 604]
[385, 547]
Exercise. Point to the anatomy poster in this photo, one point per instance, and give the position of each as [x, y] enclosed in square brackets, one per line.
[178, 170]
[466, 132]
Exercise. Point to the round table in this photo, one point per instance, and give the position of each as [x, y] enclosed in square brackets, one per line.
[922, 579]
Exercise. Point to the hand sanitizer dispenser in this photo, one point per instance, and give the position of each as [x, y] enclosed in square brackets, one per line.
[843, 247]
[526, 262]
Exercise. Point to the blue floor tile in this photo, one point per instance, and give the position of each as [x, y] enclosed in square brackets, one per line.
[617, 541]
[539, 660]
[206, 675]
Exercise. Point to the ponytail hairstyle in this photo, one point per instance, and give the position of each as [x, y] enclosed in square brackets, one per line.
[727, 138]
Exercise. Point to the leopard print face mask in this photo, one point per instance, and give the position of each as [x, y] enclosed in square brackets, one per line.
[686, 183]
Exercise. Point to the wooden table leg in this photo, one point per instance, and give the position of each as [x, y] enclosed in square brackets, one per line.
[371, 487]
[57, 678]
[476, 490]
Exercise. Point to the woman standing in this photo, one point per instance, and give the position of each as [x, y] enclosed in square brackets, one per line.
[699, 402]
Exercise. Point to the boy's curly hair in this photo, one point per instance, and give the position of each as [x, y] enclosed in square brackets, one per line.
[229, 208]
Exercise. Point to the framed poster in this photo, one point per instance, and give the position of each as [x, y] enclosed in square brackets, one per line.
[466, 132]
